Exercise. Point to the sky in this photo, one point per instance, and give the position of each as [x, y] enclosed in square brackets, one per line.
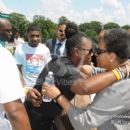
[79, 11]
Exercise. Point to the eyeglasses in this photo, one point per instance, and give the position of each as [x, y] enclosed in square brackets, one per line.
[90, 51]
[61, 31]
[99, 51]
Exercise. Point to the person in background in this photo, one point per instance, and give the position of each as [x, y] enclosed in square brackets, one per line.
[57, 45]
[31, 57]
[11, 90]
[110, 109]
[17, 39]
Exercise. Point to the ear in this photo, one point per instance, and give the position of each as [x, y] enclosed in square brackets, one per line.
[113, 57]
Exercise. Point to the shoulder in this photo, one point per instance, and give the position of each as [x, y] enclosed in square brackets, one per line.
[4, 53]
[49, 40]
[43, 46]
[6, 58]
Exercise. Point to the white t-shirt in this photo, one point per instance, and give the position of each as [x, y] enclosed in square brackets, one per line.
[33, 60]
[10, 85]
[18, 41]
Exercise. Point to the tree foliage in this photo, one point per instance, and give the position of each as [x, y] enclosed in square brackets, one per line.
[20, 23]
[63, 19]
[48, 27]
[111, 25]
[91, 29]
[126, 27]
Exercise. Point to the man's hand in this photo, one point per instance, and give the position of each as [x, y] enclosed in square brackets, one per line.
[35, 97]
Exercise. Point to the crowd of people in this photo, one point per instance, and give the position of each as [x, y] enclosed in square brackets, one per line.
[70, 57]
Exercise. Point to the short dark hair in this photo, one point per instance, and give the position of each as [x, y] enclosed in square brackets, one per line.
[118, 41]
[74, 42]
[61, 23]
[33, 27]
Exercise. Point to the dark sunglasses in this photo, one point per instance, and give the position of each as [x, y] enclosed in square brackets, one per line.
[99, 51]
[61, 30]
[90, 51]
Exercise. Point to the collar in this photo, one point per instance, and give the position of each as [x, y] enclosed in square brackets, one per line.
[62, 42]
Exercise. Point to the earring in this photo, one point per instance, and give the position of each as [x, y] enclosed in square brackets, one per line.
[111, 61]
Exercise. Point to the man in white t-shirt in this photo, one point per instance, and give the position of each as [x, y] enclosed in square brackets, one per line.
[17, 39]
[11, 90]
[31, 57]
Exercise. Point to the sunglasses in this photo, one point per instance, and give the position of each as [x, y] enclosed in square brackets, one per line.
[61, 31]
[100, 51]
[90, 51]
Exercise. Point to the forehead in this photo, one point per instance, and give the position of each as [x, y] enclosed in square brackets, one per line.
[6, 26]
[34, 33]
[62, 26]
[86, 42]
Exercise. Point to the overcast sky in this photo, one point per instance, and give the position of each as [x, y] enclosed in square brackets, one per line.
[79, 11]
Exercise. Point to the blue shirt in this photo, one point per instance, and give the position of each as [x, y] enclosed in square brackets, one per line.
[61, 48]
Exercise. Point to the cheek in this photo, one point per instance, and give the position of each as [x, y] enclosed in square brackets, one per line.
[87, 59]
[100, 61]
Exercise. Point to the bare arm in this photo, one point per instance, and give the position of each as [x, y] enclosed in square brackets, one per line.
[93, 84]
[17, 115]
[82, 86]
[20, 71]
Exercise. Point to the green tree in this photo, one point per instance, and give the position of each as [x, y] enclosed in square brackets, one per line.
[96, 26]
[91, 29]
[111, 25]
[84, 26]
[20, 23]
[63, 19]
[126, 27]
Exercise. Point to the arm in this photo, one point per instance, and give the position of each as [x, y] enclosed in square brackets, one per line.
[20, 74]
[31, 93]
[17, 115]
[98, 112]
[98, 82]
[93, 84]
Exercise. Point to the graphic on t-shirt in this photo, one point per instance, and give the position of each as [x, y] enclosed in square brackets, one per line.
[34, 63]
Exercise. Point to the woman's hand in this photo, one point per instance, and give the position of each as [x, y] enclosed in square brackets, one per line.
[50, 90]
[86, 69]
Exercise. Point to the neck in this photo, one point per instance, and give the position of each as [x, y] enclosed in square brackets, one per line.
[32, 44]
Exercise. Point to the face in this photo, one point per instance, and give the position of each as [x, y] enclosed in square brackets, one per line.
[34, 38]
[85, 51]
[104, 57]
[61, 32]
[17, 35]
[6, 32]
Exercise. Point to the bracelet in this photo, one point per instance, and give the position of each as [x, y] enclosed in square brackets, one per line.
[117, 74]
[56, 98]
[127, 71]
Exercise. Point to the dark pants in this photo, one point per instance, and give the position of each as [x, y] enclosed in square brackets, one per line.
[37, 120]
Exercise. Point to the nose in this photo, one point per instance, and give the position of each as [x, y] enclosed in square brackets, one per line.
[35, 38]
